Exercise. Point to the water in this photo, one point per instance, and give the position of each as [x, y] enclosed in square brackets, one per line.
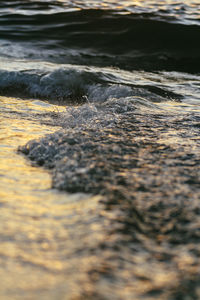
[36, 221]
[103, 99]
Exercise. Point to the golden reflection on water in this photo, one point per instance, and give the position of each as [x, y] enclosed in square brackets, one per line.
[37, 224]
[15, 131]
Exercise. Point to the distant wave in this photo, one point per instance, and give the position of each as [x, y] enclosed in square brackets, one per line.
[141, 41]
[103, 29]
[186, 11]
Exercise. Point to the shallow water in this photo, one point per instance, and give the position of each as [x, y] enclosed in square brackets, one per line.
[16, 129]
[124, 80]
[38, 224]
[143, 159]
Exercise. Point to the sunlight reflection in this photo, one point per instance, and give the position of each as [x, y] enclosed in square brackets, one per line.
[37, 223]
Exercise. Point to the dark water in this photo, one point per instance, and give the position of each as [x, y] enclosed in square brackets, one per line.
[128, 74]
[144, 35]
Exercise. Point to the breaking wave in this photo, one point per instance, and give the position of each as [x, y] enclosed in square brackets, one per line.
[78, 84]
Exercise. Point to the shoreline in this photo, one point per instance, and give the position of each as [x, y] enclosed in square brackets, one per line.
[146, 169]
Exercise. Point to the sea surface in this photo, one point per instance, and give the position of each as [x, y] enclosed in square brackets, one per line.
[99, 149]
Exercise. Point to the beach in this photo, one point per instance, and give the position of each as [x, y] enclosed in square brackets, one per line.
[100, 150]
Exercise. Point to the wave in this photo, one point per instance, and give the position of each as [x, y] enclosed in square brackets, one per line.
[79, 84]
[134, 41]
[184, 12]
[100, 29]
